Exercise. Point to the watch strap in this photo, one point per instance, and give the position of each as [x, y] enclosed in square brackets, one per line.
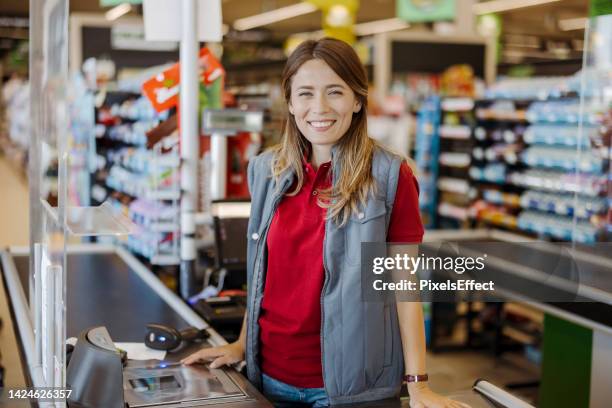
[416, 378]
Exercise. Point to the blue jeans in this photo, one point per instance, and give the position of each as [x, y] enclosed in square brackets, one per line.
[285, 395]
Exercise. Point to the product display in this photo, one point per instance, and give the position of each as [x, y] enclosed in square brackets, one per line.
[140, 182]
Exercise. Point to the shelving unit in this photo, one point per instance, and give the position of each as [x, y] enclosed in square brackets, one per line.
[497, 145]
[427, 148]
[454, 189]
[139, 182]
[536, 169]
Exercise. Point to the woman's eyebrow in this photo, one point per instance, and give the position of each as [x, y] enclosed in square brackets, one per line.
[309, 87]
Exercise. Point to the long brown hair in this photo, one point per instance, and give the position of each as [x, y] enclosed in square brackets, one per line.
[354, 150]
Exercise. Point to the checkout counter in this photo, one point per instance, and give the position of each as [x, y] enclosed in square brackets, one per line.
[107, 286]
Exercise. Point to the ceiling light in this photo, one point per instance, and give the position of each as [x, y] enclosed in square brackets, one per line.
[570, 24]
[274, 16]
[339, 16]
[380, 26]
[118, 11]
[497, 6]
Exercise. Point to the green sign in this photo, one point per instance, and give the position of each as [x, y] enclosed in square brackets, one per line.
[600, 8]
[418, 11]
[110, 3]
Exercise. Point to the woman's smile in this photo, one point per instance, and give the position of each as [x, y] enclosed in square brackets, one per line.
[321, 125]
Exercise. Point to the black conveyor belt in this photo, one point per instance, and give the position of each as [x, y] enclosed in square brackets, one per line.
[103, 290]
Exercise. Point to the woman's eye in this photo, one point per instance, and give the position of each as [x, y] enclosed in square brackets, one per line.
[304, 94]
[336, 92]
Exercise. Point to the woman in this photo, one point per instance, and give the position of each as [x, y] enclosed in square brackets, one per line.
[308, 336]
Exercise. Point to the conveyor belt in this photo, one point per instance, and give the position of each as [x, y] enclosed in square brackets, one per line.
[103, 290]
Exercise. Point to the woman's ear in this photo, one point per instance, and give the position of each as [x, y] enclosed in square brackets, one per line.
[357, 107]
[290, 108]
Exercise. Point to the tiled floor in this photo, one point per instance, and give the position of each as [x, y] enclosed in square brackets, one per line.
[14, 227]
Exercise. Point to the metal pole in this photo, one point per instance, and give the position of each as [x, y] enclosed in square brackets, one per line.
[189, 143]
[218, 165]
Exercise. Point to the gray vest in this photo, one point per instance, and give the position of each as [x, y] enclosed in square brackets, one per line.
[360, 341]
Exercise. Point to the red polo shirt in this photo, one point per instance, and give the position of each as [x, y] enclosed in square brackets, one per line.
[290, 320]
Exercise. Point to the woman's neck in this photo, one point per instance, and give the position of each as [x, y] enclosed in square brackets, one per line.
[320, 154]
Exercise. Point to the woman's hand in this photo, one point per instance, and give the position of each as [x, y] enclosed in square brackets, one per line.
[223, 355]
[422, 397]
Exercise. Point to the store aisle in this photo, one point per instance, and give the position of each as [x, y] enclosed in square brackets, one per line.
[14, 205]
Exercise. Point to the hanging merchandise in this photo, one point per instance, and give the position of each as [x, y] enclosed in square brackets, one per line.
[162, 90]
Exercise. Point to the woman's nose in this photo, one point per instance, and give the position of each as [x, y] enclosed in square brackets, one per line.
[320, 104]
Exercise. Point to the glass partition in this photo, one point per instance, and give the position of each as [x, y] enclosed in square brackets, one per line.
[595, 131]
[58, 208]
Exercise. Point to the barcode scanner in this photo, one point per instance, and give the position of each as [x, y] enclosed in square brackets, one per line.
[162, 337]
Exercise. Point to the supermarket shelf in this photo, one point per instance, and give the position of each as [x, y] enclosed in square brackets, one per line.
[500, 198]
[460, 132]
[162, 226]
[563, 204]
[453, 211]
[502, 116]
[557, 226]
[524, 311]
[453, 185]
[165, 260]
[553, 181]
[498, 218]
[458, 160]
[164, 195]
[519, 335]
[559, 135]
[457, 104]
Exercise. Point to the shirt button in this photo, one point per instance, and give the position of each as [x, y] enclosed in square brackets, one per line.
[361, 216]
[315, 192]
[255, 236]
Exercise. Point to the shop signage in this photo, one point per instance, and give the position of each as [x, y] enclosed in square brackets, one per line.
[600, 8]
[132, 37]
[162, 19]
[418, 11]
[163, 89]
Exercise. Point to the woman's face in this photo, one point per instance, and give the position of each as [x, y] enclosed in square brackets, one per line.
[321, 103]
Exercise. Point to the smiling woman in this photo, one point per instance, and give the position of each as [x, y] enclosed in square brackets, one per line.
[325, 87]
[308, 336]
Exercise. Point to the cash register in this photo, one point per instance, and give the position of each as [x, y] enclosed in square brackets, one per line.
[97, 377]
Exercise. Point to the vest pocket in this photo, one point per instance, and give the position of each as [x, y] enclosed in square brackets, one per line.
[368, 225]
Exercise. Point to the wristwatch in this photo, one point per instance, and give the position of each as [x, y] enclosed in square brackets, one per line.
[416, 378]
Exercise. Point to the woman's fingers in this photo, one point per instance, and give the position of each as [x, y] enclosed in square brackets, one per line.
[221, 361]
[204, 354]
[457, 404]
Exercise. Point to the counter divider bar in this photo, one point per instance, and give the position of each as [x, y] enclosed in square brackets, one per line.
[22, 317]
[169, 297]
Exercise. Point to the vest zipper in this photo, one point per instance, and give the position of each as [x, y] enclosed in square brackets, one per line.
[325, 280]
